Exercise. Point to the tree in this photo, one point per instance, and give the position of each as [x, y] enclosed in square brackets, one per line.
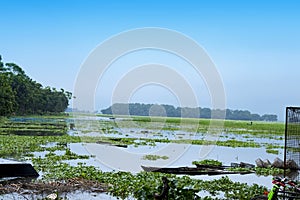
[2, 68]
[15, 69]
[268, 117]
[7, 98]
[205, 113]
[171, 111]
[21, 95]
[255, 117]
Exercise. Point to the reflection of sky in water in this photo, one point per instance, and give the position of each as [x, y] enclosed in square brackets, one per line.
[223, 154]
[151, 133]
[227, 155]
[182, 135]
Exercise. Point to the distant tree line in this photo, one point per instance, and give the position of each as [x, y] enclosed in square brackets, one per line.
[170, 111]
[21, 95]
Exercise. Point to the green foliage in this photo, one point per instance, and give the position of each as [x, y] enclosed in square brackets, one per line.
[207, 162]
[18, 146]
[7, 97]
[144, 185]
[272, 151]
[15, 145]
[52, 159]
[21, 95]
[33, 128]
[269, 171]
[257, 128]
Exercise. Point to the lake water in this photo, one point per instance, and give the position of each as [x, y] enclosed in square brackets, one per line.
[112, 158]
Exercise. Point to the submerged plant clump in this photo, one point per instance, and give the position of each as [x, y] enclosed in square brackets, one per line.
[154, 157]
[272, 151]
[269, 171]
[209, 162]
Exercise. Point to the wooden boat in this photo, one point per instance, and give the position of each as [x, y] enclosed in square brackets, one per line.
[10, 168]
[211, 167]
[193, 170]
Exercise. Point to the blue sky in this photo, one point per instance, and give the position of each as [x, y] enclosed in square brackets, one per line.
[255, 45]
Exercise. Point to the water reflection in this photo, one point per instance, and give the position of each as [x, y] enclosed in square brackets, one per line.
[134, 160]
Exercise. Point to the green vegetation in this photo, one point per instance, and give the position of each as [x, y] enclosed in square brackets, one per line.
[33, 128]
[269, 171]
[25, 135]
[170, 111]
[154, 126]
[151, 142]
[14, 146]
[208, 162]
[54, 160]
[272, 151]
[154, 157]
[21, 95]
[259, 170]
[142, 185]
[257, 128]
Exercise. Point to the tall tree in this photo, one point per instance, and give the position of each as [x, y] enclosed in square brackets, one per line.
[22, 95]
[7, 98]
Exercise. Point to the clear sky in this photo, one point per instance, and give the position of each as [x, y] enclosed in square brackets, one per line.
[255, 45]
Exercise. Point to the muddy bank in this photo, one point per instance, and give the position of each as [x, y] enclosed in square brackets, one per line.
[25, 187]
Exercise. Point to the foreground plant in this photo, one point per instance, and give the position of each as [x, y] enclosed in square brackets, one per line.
[209, 162]
[144, 185]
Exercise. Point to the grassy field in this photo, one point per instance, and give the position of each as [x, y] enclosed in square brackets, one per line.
[233, 126]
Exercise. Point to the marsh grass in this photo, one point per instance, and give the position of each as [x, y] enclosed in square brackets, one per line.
[21, 136]
[33, 126]
[15, 146]
[229, 126]
[257, 127]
